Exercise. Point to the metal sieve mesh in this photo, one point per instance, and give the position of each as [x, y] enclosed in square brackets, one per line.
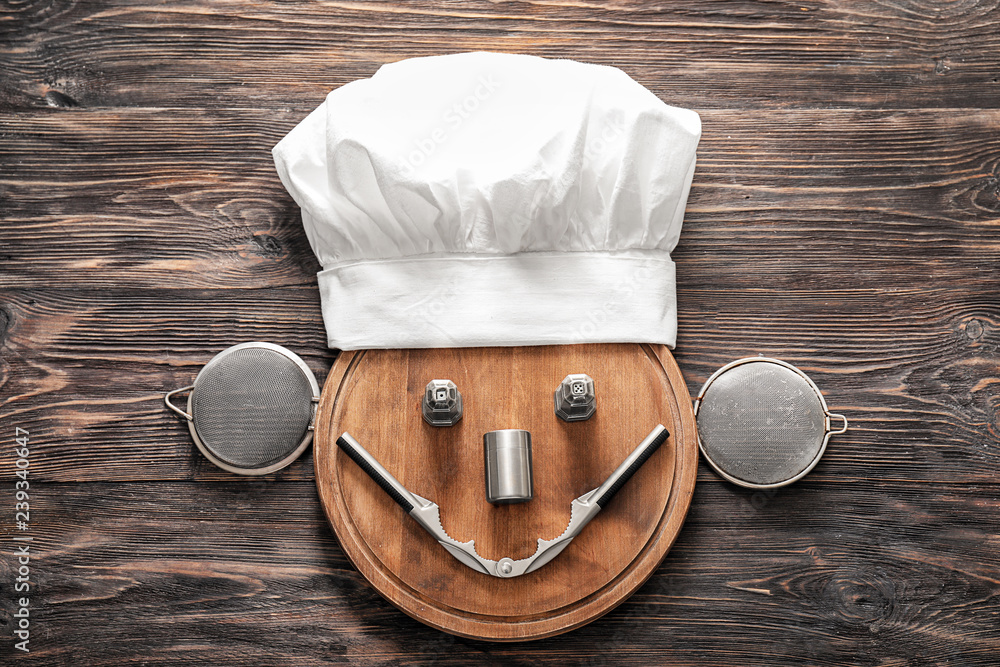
[252, 406]
[761, 422]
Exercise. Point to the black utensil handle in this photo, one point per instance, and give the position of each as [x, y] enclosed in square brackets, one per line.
[374, 473]
[626, 474]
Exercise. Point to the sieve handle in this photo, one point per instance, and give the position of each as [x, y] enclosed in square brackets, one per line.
[630, 465]
[380, 475]
[171, 394]
[829, 426]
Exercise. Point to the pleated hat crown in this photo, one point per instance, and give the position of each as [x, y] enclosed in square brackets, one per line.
[484, 199]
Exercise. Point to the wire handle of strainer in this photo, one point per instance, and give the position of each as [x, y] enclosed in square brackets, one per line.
[171, 394]
[829, 428]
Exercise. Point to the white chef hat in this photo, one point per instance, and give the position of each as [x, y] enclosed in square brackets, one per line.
[486, 199]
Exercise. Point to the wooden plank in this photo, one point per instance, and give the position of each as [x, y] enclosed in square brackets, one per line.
[246, 571]
[190, 199]
[177, 197]
[85, 374]
[845, 217]
[917, 371]
[703, 54]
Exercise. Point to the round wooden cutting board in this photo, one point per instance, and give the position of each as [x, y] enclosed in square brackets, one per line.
[375, 395]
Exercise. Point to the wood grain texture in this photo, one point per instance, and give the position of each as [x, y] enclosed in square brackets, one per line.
[247, 571]
[190, 199]
[696, 53]
[845, 217]
[85, 373]
[375, 396]
[918, 371]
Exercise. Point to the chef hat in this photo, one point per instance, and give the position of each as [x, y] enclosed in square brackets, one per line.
[486, 199]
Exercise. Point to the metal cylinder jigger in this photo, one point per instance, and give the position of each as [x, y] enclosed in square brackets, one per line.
[508, 466]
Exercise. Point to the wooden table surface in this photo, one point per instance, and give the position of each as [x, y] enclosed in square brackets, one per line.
[844, 217]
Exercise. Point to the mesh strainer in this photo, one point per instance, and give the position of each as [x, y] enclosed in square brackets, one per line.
[251, 408]
[762, 423]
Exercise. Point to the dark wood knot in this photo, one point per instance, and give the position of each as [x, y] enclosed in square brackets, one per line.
[54, 98]
[986, 194]
[974, 329]
[266, 245]
[4, 325]
[861, 596]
